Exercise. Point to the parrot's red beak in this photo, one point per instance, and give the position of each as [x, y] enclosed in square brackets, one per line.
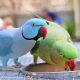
[71, 64]
[42, 32]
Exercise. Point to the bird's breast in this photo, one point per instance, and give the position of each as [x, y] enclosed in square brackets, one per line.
[21, 47]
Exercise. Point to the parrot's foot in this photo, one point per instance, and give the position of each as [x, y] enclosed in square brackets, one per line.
[17, 65]
[14, 68]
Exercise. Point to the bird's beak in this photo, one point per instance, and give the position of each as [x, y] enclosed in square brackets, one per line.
[42, 32]
[71, 64]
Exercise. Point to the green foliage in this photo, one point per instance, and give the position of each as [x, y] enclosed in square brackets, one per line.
[70, 27]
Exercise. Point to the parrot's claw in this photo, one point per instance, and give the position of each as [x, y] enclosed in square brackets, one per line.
[17, 66]
[14, 69]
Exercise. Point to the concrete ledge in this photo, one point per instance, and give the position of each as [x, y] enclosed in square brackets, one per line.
[24, 75]
[49, 72]
[40, 72]
[67, 75]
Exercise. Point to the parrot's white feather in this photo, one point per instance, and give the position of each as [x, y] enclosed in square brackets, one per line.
[17, 42]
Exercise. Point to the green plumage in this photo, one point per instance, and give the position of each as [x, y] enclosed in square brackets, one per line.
[56, 48]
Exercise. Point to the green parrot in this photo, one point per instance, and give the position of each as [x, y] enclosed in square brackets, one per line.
[57, 48]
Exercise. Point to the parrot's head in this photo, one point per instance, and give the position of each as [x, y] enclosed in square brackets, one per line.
[71, 64]
[34, 28]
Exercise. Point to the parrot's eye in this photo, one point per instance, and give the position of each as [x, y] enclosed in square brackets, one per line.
[47, 23]
[33, 24]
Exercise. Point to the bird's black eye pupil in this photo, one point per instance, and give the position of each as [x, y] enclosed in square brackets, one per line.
[33, 24]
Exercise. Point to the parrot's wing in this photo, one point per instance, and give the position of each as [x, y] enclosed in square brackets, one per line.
[6, 42]
[66, 49]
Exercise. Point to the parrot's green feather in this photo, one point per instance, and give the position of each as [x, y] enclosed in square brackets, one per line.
[33, 50]
[57, 47]
[66, 49]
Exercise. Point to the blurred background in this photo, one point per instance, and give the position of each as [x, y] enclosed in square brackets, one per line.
[16, 12]
[13, 13]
